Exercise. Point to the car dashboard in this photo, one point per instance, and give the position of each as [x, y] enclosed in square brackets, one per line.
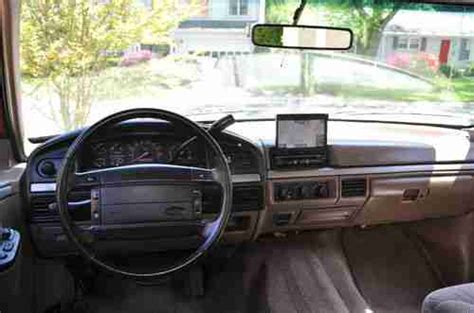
[396, 173]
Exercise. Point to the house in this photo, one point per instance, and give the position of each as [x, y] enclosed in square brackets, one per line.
[448, 36]
[221, 28]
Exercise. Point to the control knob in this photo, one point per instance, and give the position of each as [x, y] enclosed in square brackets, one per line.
[48, 169]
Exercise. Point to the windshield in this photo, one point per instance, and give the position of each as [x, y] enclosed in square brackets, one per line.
[83, 60]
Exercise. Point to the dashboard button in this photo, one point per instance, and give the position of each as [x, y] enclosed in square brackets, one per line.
[8, 246]
[5, 234]
[91, 179]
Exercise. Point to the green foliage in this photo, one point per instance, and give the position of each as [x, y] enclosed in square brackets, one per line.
[164, 16]
[70, 37]
[271, 36]
[469, 72]
[449, 71]
[366, 19]
[281, 12]
[67, 43]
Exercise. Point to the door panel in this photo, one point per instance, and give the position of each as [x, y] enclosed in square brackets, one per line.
[16, 281]
[444, 51]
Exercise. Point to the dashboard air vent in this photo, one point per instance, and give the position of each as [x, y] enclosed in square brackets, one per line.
[247, 198]
[244, 198]
[242, 160]
[40, 211]
[354, 187]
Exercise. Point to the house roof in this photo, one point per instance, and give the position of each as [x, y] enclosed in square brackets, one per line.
[432, 23]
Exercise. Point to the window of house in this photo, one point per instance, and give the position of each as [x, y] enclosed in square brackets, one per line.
[238, 7]
[402, 43]
[464, 49]
[423, 44]
[407, 43]
[414, 44]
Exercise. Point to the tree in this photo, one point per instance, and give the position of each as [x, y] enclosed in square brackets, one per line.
[269, 36]
[366, 19]
[281, 12]
[165, 16]
[65, 44]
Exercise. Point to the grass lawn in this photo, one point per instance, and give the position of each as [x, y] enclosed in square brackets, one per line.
[460, 89]
[463, 89]
[115, 83]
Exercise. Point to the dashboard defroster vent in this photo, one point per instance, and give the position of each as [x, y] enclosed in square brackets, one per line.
[353, 187]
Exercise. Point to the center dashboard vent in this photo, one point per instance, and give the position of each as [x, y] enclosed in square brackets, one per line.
[353, 187]
[241, 158]
[247, 198]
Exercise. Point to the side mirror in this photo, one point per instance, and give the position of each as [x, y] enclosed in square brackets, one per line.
[302, 37]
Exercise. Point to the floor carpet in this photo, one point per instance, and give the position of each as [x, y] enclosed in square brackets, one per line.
[350, 270]
[389, 268]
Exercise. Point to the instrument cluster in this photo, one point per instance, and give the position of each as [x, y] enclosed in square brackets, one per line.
[139, 150]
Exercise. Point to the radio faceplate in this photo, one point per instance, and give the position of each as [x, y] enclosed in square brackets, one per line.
[298, 158]
[303, 190]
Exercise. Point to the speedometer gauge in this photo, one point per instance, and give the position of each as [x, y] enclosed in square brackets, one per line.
[119, 154]
[143, 152]
[161, 153]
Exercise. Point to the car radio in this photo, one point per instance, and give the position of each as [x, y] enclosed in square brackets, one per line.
[304, 190]
[301, 141]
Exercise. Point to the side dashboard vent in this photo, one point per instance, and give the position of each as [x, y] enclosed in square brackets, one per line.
[354, 187]
[40, 211]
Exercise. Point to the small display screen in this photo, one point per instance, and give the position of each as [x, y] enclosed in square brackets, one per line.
[301, 131]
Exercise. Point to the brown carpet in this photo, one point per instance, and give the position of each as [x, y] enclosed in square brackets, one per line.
[383, 271]
[389, 268]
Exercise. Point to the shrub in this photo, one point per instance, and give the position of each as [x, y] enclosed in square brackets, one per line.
[469, 71]
[112, 61]
[133, 58]
[421, 62]
[449, 71]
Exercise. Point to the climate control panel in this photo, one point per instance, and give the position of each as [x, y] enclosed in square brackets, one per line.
[304, 190]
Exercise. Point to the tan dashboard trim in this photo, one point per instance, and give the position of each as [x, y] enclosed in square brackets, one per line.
[329, 171]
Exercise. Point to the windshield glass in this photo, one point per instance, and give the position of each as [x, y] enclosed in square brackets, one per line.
[83, 60]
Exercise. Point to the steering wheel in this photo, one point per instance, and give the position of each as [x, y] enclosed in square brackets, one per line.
[152, 196]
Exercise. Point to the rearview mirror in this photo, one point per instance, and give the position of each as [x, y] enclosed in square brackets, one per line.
[301, 37]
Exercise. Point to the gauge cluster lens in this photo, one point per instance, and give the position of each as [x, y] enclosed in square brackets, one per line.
[133, 150]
